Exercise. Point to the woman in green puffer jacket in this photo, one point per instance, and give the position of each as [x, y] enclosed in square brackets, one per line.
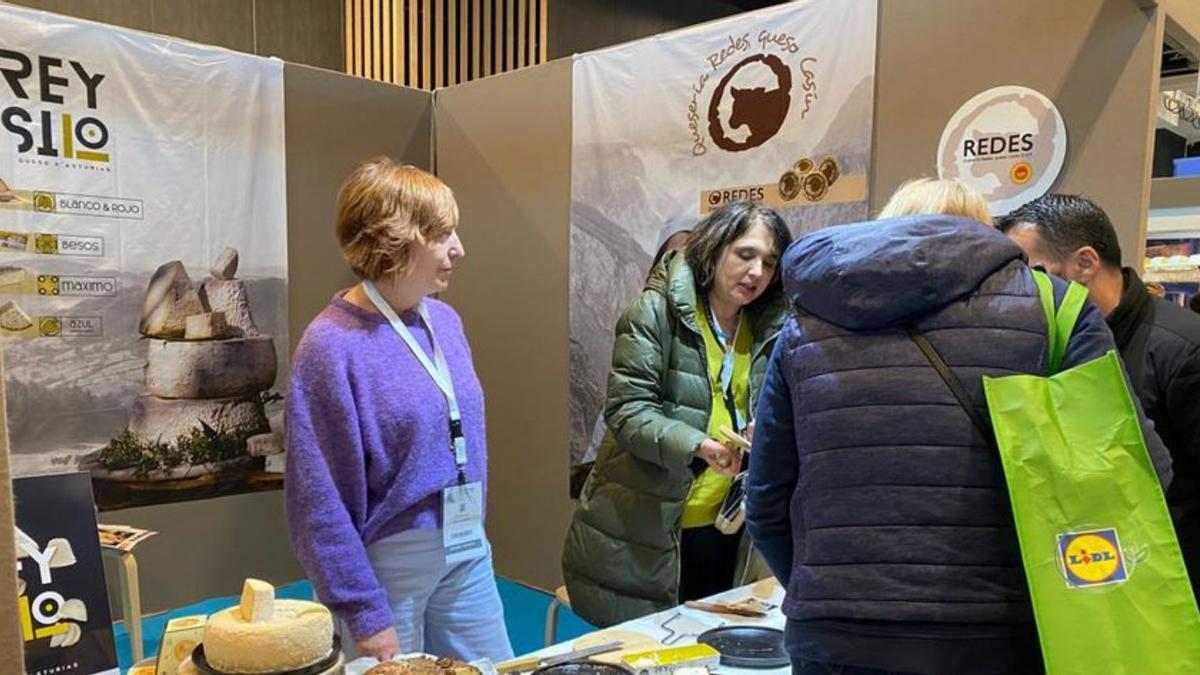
[689, 359]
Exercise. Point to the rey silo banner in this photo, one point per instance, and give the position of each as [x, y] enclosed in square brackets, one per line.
[774, 105]
[62, 604]
[143, 257]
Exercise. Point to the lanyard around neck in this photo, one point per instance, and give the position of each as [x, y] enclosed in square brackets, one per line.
[719, 332]
[725, 378]
[438, 369]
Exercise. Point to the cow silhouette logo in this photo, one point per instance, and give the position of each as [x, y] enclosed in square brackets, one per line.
[760, 109]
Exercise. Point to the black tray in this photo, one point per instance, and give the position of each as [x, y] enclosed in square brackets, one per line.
[748, 646]
[583, 668]
[325, 664]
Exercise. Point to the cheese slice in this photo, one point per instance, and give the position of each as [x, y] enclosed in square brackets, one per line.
[258, 601]
[11, 274]
[13, 317]
[74, 609]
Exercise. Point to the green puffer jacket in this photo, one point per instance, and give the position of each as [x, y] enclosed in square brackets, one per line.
[621, 557]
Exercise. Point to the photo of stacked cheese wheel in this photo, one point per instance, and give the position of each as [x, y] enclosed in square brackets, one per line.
[6, 194]
[809, 178]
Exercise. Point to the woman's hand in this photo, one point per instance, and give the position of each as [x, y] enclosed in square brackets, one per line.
[383, 645]
[724, 461]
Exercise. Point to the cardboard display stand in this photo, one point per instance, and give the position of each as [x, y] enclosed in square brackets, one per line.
[62, 608]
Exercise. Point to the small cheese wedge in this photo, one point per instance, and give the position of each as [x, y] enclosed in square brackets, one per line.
[63, 556]
[11, 274]
[74, 635]
[12, 317]
[258, 601]
[74, 609]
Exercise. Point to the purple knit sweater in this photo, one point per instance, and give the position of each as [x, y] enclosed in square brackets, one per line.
[368, 446]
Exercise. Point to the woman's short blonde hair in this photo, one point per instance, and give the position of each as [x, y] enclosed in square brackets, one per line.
[384, 210]
[931, 196]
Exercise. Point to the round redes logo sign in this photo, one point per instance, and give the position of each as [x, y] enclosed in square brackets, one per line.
[1009, 143]
[749, 105]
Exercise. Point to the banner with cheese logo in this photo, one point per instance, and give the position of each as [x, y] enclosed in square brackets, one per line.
[143, 258]
[774, 105]
[62, 605]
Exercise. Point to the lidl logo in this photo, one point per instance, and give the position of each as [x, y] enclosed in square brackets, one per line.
[1092, 558]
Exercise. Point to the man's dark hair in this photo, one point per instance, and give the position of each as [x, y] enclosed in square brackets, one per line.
[1067, 223]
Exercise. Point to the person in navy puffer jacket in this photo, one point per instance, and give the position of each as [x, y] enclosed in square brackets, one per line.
[871, 495]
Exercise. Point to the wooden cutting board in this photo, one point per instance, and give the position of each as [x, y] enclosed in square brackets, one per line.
[765, 589]
[634, 643]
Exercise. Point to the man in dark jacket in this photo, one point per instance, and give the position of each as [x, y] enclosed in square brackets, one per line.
[1159, 341]
[871, 495]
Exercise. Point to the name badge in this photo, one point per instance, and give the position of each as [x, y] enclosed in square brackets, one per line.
[462, 523]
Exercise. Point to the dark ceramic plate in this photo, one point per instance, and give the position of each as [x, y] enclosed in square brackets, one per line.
[748, 646]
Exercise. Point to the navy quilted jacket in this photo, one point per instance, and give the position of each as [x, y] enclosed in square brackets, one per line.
[871, 494]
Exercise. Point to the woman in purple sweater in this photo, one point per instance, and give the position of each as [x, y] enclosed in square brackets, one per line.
[387, 459]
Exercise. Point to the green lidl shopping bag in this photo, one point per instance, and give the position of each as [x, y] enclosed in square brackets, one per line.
[1109, 589]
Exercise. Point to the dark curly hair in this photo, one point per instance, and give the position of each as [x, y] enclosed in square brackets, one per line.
[724, 226]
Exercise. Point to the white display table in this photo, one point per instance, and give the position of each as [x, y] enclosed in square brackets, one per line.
[681, 625]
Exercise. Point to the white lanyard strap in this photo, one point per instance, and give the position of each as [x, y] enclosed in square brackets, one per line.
[438, 369]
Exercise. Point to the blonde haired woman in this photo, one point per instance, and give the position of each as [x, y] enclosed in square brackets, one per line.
[385, 434]
[929, 196]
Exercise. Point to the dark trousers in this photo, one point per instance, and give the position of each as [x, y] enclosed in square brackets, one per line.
[708, 561]
[811, 668]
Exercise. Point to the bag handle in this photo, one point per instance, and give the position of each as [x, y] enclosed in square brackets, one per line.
[1060, 322]
[953, 383]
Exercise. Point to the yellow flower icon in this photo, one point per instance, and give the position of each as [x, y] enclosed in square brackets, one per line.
[47, 284]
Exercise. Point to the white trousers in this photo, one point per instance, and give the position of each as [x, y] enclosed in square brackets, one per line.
[439, 609]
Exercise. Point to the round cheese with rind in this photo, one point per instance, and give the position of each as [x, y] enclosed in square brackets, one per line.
[298, 635]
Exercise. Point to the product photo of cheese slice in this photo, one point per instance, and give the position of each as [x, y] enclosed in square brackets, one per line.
[10, 274]
[13, 318]
[74, 634]
[74, 609]
[57, 639]
[68, 637]
[63, 556]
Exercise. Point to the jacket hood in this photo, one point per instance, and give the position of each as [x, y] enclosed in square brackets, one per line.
[877, 274]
